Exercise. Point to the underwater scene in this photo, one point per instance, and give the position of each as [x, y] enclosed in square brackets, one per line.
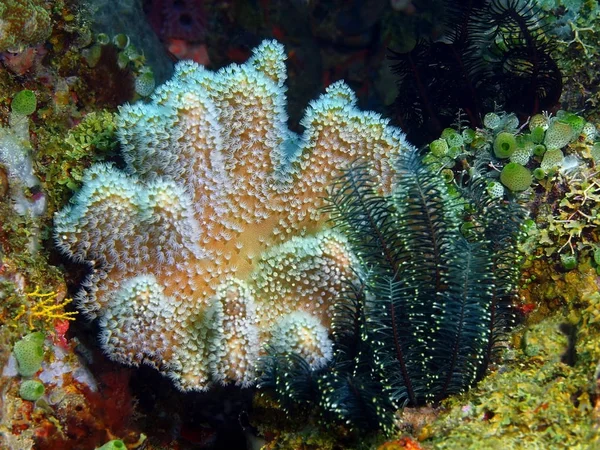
[299, 224]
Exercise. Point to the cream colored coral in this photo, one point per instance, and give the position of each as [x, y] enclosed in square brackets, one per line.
[217, 233]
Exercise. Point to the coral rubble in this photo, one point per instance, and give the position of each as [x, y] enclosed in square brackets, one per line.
[23, 23]
[214, 238]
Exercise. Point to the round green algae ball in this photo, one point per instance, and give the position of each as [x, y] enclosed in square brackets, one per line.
[516, 177]
[539, 120]
[24, 103]
[539, 150]
[589, 131]
[537, 135]
[468, 135]
[144, 83]
[452, 138]
[115, 444]
[31, 390]
[453, 152]
[121, 41]
[29, 353]
[559, 135]
[492, 120]
[569, 262]
[102, 38]
[504, 145]
[495, 189]
[448, 175]
[552, 159]
[539, 173]
[439, 147]
[521, 156]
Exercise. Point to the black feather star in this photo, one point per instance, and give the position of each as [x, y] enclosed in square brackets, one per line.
[431, 306]
[495, 54]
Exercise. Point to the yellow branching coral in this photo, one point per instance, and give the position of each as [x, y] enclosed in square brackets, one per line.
[44, 307]
[214, 241]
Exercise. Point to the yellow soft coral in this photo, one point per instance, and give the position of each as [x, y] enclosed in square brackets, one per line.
[216, 238]
[44, 307]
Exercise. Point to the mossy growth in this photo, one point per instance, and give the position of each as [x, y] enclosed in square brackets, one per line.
[65, 156]
[504, 145]
[31, 390]
[516, 177]
[24, 24]
[545, 393]
[29, 353]
[303, 430]
[24, 103]
[95, 133]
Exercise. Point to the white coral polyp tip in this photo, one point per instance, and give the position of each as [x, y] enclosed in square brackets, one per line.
[303, 334]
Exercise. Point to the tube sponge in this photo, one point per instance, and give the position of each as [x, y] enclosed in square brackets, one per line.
[29, 353]
[515, 177]
[24, 103]
[559, 135]
[552, 159]
[504, 145]
[31, 390]
[115, 444]
[439, 147]
[521, 155]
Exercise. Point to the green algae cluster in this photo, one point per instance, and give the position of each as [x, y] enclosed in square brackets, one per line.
[66, 156]
[549, 163]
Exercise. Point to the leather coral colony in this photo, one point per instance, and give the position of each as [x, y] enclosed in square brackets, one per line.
[214, 242]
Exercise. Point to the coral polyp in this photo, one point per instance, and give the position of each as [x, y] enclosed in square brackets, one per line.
[214, 241]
